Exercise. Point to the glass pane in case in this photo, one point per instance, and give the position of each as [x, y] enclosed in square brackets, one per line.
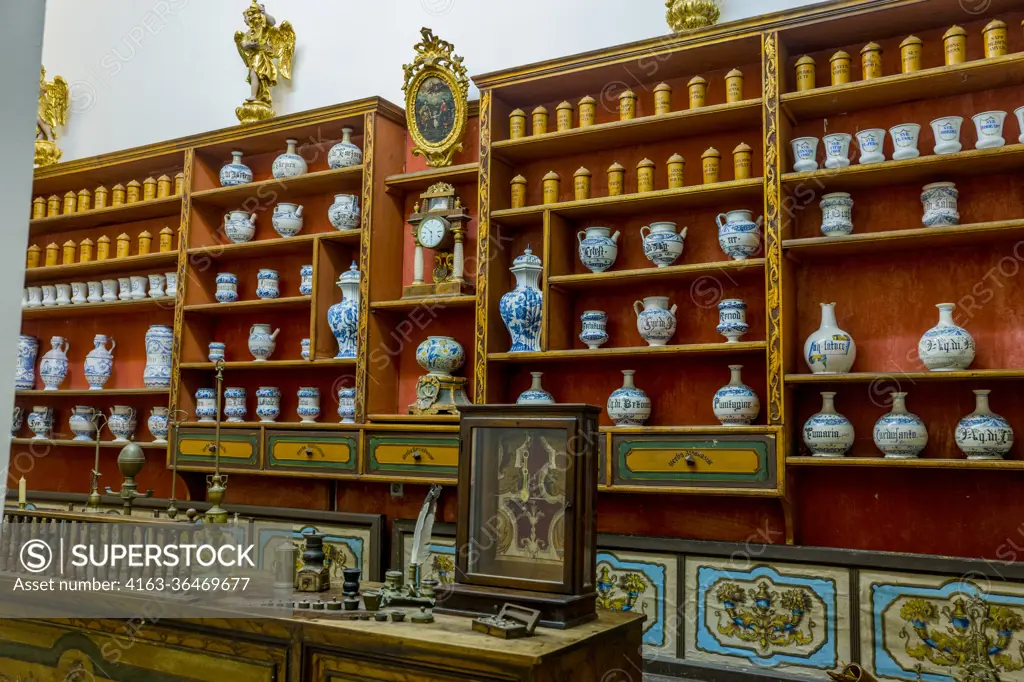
[517, 516]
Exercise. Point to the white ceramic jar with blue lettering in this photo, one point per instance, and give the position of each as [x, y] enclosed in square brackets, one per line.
[306, 280]
[736, 404]
[535, 395]
[25, 370]
[268, 283]
[732, 319]
[289, 164]
[206, 405]
[738, 235]
[157, 424]
[595, 328]
[829, 350]
[345, 153]
[989, 125]
[344, 212]
[53, 368]
[828, 433]
[82, 423]
[268, 403]
[227, 287]
[872, 145]
[343, 316]
[946, 131]
[628, 405]
[239, 226]
[159, 346]
[521, 309]
[946, 347]
[655, 321]
[983, 434]
[287, 219]
[837, 150]
[836, 214]
[309, 403]
[236, 172]
[904, 141]
[234, 404]
[598, 248]
[662, 244]
[347, 405]
[440, 355]
[900, 434]
[805, 152]
[940, 204]
[99, 362]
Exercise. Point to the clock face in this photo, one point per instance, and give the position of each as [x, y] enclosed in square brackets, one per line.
[433, 232]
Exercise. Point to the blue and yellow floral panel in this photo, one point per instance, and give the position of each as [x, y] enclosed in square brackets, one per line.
[646, 583]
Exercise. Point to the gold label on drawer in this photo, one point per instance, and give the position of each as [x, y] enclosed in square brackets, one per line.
[190, 447]
[731, 461]
[303, 451]
[740, 461]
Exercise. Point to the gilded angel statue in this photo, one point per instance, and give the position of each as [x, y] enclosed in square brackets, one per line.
[259, 46]
[54, 99]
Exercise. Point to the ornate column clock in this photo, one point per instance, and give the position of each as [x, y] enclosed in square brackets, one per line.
[439, 224]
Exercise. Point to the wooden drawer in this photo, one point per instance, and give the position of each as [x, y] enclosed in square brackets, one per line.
[672, 460]
[416, 455]
[335, 668]
[329, 453]
[239, 448]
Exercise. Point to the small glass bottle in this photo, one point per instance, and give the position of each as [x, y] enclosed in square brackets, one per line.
[166, 240]
[588, 111]
[676, 171]
[662, 99]
[518, 191]
[84, 200]
[145, 242]
[517, 124]
[616, 179]
[581, 184]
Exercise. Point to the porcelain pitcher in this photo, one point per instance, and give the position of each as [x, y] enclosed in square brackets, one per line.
[738, 235]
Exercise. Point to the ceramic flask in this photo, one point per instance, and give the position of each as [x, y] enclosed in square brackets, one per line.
[595, 325]
[289, 164]
[628, 405]
[53, 368]
[234, 173]
[345, 153]
[837, 150]
[982, 434]
[836, 214]
[662, 244]
[989, 125]
[805, 152]
[344, 212]
[904, 141]
[828, 433]
[829, 350]
[871, 143]
[598, 248]
[946, 347]
[736, 404]
[655, 321]
[535, 395]
[900, 434]
[732, 319]
[946, 131]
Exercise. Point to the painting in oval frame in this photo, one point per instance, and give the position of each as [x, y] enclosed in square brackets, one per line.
[436, 89]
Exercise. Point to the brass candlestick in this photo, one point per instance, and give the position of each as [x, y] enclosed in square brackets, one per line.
[92, 506]
[130, 463]
[172, 510]
[217, 484]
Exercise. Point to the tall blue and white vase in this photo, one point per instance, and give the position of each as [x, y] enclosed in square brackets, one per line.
[829, 350]
[828, 433]
[25, 370]
[736, 404]
[535, 395]
[732, 319]
[343, 317]
[289, 164]
[236, 172]
[157, 424]
[347, 405]
[983, 434]
[53, 368]
[99, 362]
[900, 434]
[309, 403]
[159, 344]
[268, 403]
[521, 309]
[345, 153]
[946, 347]
[628, 405]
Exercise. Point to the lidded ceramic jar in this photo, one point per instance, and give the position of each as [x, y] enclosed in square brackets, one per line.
[829, 350]
[343, 317]
[698, 91]
[836, 214]
[734, 86]
[645, 176]
[347, 405]
[345, 154]
[588, 111]
[710, 163]
[741, 161]
[563, 117]
[736, 404]
[910, 54]
[900, 434]
[518, 191]
[306, 280]
[627, 105]
[535, 395]
[828, 433]
[655, 321]
[594, 328]
[839, 65]
[805, 73]
[954, 43]
[239, 226]
[344, 212]
[440, 355]
[995, 39]
[871, 61]
[597, 249]
[84, 200]
[287, 219]
[616, 179]
[521, 309]
[662, 99]
[732, 319]
[628, 405]
[236, 172]
[581, 184]
[551, 187]
[268, 403]
[940, 204]
[289, 164]
[983, 434]
[517, 124]
[540, 120]
[676, 166]
[662, 244]
[946, 347]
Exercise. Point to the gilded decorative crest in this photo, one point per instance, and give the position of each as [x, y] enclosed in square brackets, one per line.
[54, 99]
[267, 50]
[686, 15]
[752, 616]
[436, 90]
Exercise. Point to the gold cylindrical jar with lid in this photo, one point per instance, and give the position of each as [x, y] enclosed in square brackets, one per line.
[134, 192]
[676, 171]
[518, 191]
[616, 179]
[166, 240]
[954, 45]
[69, 251]
[563, 117]
[124, 246]
[70, 203]
[163, 187]
[52, 254]
[645, 176]
[103, 248]
[179, 182]
[84, 200]
[710, 162]
[34, 253]
[627, 105]
[662, 99]
[517, 124]
[871, 61]
[806, 78]
[85, 251]
[145, 242]
[839, 67]
[149, 189]
[53, 206]
[734, 86]
[741, 157]
[581, 184]
[99, 197]
[698, 89]
[995, 39]
[38, 208]
[552, 187]
[540, 120]
[117, 195]
[588, 111]
[910, 54]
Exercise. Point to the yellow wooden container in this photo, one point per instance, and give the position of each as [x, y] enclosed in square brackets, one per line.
[53, 206]
[166, 240]
[662, 99]
[68, 255]
[954, 45]
[710, 162]
[588, 111]
[85, 250]
[734, 86]
[518, 191]
[581, 184]
[995, 38]
[117, 196]
[676, 165]
[149, 189]
[52, 254]
[34, 253]
[134, 193]
[84, 200]
[124, 246]
[540, 121]
[806, 78]
[552, 187]
[163, 187]
[616, 180]
[103, 248]
[517, 124]
[741, 158]
[99, 197]
[698, 88]
[627, 105]
[70, 203]
[38, 208]
[145, 242]
[839, 67]
[645, 176]
[179, 182]
[563, 116]
[871, 61]
[910, 54]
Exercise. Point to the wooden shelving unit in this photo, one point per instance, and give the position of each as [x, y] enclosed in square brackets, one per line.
[342, 180]
[61, 312]
[584, 354]
[166, 207]
[753, 267]
[417, 181]
[919, 463]
[84, 444]
[245, 307]
[25, 393]
[156, 261]
[871, 377]
[911, 238]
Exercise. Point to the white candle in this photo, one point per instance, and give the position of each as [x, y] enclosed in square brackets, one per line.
[22, 498]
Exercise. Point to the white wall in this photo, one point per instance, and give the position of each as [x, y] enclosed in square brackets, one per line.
[149, 70]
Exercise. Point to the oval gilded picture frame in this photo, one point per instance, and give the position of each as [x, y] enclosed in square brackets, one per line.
[436, 107]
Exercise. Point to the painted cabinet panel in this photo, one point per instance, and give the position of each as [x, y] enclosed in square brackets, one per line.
[333, 453]
[670, 460]
[239, 448]
[416, 455]
[642, 582]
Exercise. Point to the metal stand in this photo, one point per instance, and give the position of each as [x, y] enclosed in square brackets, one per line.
[172, 509]
[92, 506]
[217, 483]
[130, 462]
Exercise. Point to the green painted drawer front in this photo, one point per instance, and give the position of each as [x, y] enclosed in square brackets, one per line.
[239, 448]
[314, 452]
[413, 454]
[668, 460]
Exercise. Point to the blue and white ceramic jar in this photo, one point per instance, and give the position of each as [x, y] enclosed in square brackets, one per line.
[535, 395]
[268, 283]
[628, 405]
[343, 317]
[25, 370]
[872, 145]
[40, 422]
[157, 424]
[440, 355]
[305, 349]
[598, 250]
[940, 204]
[946, 347]
[805, 153]
[900, 434]
[989, 125]
[82, 423]
[837, 150]
[309, 403]
[227, 287]
[829, 350]
[345, 153]
[655, 321]
[99, 362]
[53, 368]
[121, 423]
[236, 172]
[904, 141]
[287, 219]
[216, 352]
[239, 226]
[662, 244]
[268, 403]
[738, 235]
[262, 341]
[732, 319]
[234, 404]
[521, 309]
[159, 346]
[289, 164]
[736, 404]
[828, 433]
[946, 131]
[983, 434]
[347, 405]
[17, 420]
[836, 214]
[206, 405]
[595, 328]
[306, 280]
[344, 212]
